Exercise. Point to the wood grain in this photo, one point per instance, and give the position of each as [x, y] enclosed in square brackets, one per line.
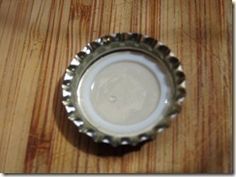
[39, 38]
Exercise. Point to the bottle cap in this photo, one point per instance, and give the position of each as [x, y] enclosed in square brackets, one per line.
[123, 88]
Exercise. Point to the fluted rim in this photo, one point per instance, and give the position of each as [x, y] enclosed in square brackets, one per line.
[112, 43]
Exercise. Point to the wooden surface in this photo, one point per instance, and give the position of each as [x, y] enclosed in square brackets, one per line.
[39, 38]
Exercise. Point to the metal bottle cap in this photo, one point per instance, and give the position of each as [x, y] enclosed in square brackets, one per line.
[123, 88]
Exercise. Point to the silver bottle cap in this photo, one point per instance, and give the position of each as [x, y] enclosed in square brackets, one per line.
[122, 89]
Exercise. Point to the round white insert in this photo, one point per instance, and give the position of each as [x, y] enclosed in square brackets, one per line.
[124, 93]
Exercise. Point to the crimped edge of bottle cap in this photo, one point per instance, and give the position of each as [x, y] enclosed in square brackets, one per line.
[125, 39]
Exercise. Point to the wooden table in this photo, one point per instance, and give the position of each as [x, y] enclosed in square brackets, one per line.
[39, 38]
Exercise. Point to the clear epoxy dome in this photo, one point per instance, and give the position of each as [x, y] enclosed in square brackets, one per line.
[124, 93]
